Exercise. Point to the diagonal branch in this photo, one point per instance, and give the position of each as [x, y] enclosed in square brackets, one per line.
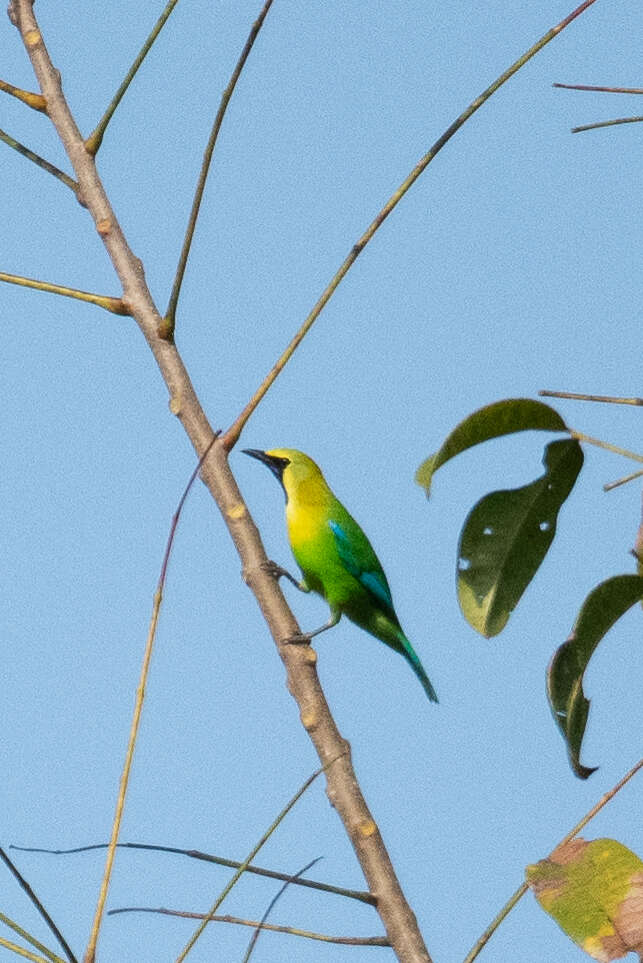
[231, 436]
[35, 101]
[170, 314]
[115, 305]
[342, 787]
[40, 161]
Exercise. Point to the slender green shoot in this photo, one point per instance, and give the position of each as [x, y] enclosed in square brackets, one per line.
[271, 905]
[231, 436]
[95, 139]
[622, 481]
[21, 951]
[606, 90]
[31, 939]
[170, 314]
[251, 855]
[38, 905]
[520, 892]
[114, 305]
[35, 101]
[40, 161]
[607, 123]
[90, 952]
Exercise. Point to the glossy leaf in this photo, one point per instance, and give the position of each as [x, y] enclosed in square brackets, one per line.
[601, 609]
[594, 891]
[492, 421]
[507, 535]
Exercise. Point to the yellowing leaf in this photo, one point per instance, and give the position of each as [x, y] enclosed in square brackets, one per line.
[594, 891]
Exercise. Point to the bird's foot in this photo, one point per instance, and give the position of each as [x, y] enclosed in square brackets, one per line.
[278, 571]
[298, 638]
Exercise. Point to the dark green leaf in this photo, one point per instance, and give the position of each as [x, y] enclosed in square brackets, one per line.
[601, 609]
[507, 535]
[492, 421]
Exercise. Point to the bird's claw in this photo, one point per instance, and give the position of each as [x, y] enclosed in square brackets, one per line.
[271, 568]
[298, 638]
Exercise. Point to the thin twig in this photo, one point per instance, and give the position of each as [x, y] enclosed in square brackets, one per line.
[271, 905]
[95, 139]
[51, 956]
[255, 849]
[90, 952]
[170, 314]
[520, 892]
[38, 905]
[40, 161]
[21, 951]
[579, 436]
[575, 396]
[114, 305]
[35, 101]
[607, 123]
[607, 90]
[185, 914]
[360, 895]
[231, 436]
[622, 481]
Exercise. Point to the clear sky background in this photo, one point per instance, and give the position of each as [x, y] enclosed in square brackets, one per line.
[512, 265]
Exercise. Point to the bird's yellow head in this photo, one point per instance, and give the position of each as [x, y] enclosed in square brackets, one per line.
[291, 467]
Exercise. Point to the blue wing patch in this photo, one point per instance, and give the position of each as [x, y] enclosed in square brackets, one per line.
[373, 579]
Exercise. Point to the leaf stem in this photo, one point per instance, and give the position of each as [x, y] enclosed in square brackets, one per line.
[95, 139]
[170, 314]
[622, 481]
[40, 161]
[606, 90]
[522, 889]
[114, 305]
[231, 436]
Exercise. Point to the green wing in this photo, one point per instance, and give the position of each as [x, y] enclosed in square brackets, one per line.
[357, 555]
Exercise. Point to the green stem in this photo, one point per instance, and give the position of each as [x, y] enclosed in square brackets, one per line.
[236, 876]
[167, 330]
[40, 161]
[232, 434]
[22, 882]
[30, 939]
[114, 305]
[35, 101]
[520, 892]
[605, 90]
[607, 123]
[622, 481]
[95, 139]
[20, 951]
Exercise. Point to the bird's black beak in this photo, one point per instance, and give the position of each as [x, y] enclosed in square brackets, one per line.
[276, 465]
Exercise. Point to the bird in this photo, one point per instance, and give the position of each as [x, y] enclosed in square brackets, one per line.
[336, 559]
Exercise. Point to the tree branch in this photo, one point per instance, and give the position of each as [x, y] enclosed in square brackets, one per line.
[342, 786]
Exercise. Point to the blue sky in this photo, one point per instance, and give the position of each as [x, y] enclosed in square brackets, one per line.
[511, 266]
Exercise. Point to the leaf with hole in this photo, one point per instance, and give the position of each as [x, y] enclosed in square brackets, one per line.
[492, 421]
[601, 609]
[506, 536]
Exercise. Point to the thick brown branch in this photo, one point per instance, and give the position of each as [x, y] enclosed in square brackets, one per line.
[342, 787]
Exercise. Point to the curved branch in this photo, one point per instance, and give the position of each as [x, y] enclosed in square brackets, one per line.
[342, 786]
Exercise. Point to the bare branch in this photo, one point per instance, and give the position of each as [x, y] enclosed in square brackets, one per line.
[39, 161]
[115, 305]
